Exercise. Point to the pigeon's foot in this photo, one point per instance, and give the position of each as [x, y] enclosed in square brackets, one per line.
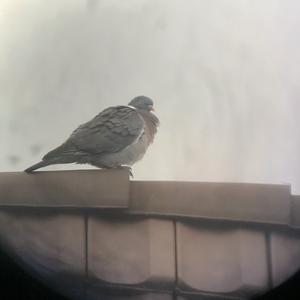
[129, 169]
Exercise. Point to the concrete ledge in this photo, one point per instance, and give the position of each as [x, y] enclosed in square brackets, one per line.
[99, 189]
[85, 188]
[265, 203]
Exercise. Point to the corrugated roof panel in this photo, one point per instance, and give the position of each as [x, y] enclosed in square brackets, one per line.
[284, 254]
[131, 251]
[222, 260]
[49, 246]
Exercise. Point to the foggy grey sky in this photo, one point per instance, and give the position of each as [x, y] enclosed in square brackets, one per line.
[224, 76]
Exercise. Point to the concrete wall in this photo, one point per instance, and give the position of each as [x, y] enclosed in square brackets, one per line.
[175, 240]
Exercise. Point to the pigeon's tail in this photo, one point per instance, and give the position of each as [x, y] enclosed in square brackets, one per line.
[63, 154]
[40, 164]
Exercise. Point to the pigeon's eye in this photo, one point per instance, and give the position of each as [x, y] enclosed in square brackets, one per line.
[150, 107]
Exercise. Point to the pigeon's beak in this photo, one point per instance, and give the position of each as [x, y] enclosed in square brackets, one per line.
[151, 108]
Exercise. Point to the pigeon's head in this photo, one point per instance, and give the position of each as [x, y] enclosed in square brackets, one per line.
[142, 102]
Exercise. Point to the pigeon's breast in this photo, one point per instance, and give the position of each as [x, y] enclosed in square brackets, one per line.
[135, 151]
[127, 156]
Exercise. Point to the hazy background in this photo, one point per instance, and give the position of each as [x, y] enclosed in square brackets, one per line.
[224, 76]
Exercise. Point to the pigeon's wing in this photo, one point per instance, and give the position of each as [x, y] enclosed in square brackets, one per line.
[113, 129]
